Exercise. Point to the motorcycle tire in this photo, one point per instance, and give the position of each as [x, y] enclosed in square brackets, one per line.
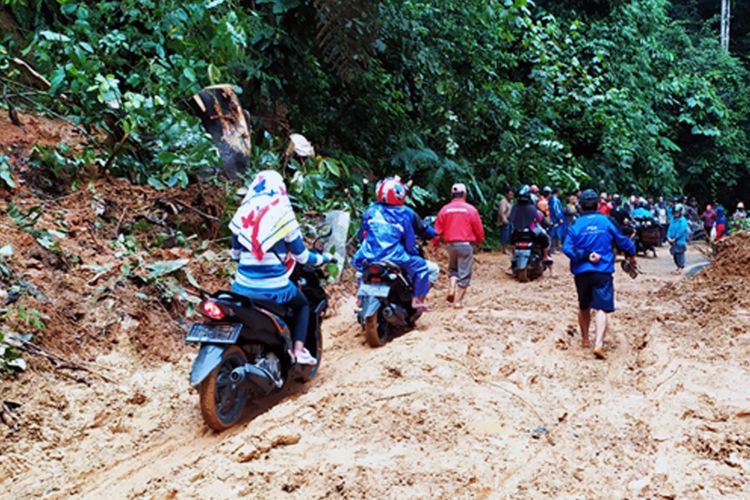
[523, 275]
[309, 374]
[376, 333]
[222, 400]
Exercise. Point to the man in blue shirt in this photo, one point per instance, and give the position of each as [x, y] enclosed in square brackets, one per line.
[557, 219]
[642, 212]
[592, 262]
[677, 235]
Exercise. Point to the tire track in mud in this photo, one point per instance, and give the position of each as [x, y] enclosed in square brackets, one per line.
[495, 399]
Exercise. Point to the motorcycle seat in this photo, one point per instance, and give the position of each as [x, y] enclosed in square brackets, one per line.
[387, 265]
[271, 306]
[524, 235]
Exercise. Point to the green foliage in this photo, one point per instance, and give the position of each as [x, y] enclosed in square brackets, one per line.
[47, 237]
[6, 173]
[615, 94]
[127, 68]
[739, 224]
[10, 358]
[63, 165]
[31, 317]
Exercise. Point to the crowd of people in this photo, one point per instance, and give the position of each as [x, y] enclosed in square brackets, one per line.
[679, 219]
[586, 227]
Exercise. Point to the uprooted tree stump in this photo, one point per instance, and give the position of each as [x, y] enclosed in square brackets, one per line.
[223, 118]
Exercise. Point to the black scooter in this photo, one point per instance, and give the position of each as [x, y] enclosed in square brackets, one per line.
[527, 262]
[386, 303]
[245, 344]
[647, 235]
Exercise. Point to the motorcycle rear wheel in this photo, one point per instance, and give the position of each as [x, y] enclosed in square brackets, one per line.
[375, 333]
[222, 400]
[317, 352]
[523, 275]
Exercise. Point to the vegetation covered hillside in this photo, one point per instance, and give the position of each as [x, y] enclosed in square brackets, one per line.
[627, 95]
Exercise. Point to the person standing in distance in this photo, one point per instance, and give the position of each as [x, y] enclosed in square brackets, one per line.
[677, 236]
[592, 262]
[557, 219]
[503, 219]
[459, 225]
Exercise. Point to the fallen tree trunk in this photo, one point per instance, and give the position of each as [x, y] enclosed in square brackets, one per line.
[223, 118]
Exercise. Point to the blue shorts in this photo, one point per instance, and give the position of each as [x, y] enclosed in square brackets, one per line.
[595, 291]
[505, 232]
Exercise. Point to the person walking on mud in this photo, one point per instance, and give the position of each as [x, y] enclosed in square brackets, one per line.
[677, 236]
[592, 262]
[458, 224]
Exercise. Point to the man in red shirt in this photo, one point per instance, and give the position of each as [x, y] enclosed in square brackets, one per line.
[604, 206]
[459, 225]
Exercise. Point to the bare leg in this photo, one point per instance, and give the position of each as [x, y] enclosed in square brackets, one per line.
[452, 289]
[600, 320]
[419, 303]
[584, 320]
[460, 296]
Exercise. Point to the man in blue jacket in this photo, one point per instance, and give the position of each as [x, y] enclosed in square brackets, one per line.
[592, 262]
[387, 234]
[557, 219]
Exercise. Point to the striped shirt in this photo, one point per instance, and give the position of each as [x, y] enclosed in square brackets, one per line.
[273, 271]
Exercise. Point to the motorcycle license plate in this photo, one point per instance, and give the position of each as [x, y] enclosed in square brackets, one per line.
[370, 290]
[226, 333]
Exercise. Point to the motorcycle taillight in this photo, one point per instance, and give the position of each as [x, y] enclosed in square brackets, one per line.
[212, 310]
[375, 269]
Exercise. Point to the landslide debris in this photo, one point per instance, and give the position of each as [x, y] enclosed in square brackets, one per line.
[719, 296]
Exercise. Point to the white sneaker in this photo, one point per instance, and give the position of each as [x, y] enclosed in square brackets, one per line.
[304, 357]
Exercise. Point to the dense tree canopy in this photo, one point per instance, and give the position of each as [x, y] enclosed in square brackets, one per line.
[627, 95]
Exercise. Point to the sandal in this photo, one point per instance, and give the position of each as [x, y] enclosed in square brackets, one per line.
[304, 357]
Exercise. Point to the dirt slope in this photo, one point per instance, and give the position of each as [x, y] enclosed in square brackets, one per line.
[495, 400]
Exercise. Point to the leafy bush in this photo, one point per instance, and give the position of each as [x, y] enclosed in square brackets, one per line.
[6, 173]
[10, 359]
[613, 94]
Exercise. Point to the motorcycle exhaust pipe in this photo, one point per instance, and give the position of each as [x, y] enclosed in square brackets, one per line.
[256, 377]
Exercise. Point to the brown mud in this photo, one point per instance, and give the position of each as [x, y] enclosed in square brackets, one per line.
[493, 400]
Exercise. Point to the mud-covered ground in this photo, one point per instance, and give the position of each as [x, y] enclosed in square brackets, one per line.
[494, 400]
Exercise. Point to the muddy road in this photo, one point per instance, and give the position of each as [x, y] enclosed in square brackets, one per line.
[494, 400]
